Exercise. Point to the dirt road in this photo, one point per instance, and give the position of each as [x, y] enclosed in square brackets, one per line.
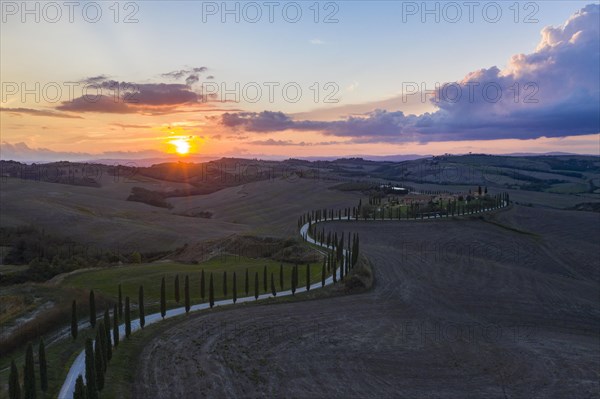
[500, 308]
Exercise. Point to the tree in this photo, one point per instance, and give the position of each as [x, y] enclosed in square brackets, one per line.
[100, 351]
[247, 284]
[14, 386]
[29, 377]
[100, 347]
[225, 284]
[90, 370]
[105, 331]
[186, 293]
[43, 366]
[127, 318]
[141, 306]
[234, 288]
[273, 291]
[293, 277]
[334, 267]
[120, 302]
[281, 276]
[98, 364]
[177, 288]
[202, 285]
[115, 327]
[135, 257]
[307, 277]
[106, 324]
[265, 278]
[211, 291]
[163, 298]
[74, 326]
[92, 309]
[256, 285]
[79, 392]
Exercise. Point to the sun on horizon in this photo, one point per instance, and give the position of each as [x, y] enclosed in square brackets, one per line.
[182, 145]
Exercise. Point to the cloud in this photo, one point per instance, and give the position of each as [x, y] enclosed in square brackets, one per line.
[266, 121]
[272, 142]
[192, 75]
[104, 95]
[131, 126]
[129, 97]
[22, 152]
[276, 142]
[552, 92]
[92, 80]
[184, 72]
[101, 103]
[317, 42]
[37, 112]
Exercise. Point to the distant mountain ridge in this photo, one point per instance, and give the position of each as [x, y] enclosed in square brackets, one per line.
[146, 162]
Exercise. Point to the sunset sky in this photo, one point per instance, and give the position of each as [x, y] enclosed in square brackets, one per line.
[336, 79]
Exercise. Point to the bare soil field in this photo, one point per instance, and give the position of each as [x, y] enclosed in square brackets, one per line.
[102, 218]
[499, 307]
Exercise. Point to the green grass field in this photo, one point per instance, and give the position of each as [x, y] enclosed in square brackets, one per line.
[131, 277]
[105, 284]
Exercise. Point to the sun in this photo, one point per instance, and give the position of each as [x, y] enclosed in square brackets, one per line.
[182, 146]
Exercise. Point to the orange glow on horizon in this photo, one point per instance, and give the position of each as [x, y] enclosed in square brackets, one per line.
[182, 145]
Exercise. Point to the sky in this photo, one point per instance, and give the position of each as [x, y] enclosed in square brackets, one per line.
[293, 79]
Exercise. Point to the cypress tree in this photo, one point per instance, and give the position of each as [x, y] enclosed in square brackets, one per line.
[307, 277]
[120, 302]
[29, 377]
[115, 326]
[186, 294]
[90, 370]
[256, 285]
[323, 275]
[92, 309]
[100, 346]
[99, 365]
[177, 288]
[265, 278]
[211, 291]
[333, 267]
[202, 285]
[107, 339]
[107, 323]
[247, 284]
[225, 284]
[281, 276]
[79, 392]
[163, 298]
[141, 306]
[43, 366]
[273, 291]
[234, 288]
[74, 327]
[14, 386]
[127, 318]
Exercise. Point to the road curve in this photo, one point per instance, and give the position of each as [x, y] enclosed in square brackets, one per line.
[460, 308]
[78, 366]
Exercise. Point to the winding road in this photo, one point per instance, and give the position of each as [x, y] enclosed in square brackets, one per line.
[460, 308]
